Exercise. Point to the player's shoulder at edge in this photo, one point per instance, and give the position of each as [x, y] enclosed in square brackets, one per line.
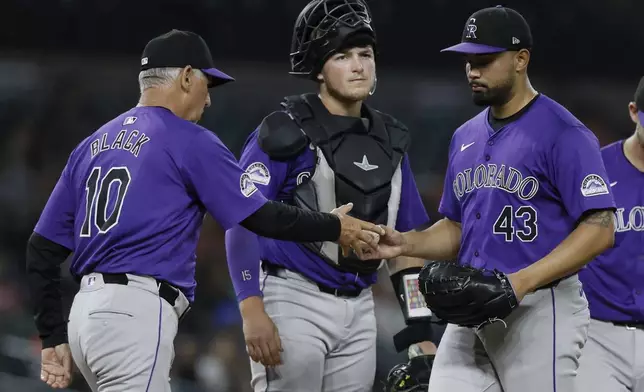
[559, 113]
[471, 125]
[613, 147]
[559, 126]
[612, 150]
[280, 137]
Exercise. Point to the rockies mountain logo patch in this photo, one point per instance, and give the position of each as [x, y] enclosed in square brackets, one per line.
[246, 185]
[259, 173]
[593, 185]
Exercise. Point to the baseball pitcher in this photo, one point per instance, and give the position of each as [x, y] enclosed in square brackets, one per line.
[527, 204]
[311, 326]
[614, 281]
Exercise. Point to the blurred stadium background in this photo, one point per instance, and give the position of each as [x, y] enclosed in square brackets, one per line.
[67, 66]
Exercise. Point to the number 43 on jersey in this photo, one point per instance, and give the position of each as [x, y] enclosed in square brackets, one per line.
[519, 222]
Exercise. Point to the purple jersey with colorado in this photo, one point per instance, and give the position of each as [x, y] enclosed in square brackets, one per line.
[277, 180]
[519, 192]
[614, 281]
[133, 195]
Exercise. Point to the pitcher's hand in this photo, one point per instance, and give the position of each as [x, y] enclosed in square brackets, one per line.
[356, 234]
[392, 237]
[391, 245]
[56, 366]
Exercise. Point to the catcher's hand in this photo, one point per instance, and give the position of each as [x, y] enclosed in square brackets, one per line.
[466, 296]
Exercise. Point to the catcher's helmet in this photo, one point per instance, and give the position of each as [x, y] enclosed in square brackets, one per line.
[410, 377]
[324, 27]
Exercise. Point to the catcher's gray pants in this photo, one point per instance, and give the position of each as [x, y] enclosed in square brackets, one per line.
[613, 359]
[121, 336]
[329, 342]
[535, 349]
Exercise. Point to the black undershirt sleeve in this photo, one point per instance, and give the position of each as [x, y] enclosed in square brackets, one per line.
[284, 222]
[44, 258]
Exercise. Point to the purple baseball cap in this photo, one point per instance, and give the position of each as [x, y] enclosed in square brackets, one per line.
[178, 48]
[493, 30]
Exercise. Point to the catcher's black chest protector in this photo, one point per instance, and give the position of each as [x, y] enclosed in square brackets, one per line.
[354, 164]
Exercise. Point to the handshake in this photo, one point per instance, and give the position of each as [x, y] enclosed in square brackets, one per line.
[367, 240]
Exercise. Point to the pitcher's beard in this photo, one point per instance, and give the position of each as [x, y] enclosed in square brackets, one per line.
[492, 96]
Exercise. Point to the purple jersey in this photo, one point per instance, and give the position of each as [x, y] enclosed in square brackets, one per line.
[277, 180]
[614, 281]
[519, 192]
[133, 195]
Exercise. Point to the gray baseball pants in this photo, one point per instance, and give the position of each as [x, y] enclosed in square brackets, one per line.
[613, 359]
[536, 349]
[121, 336]
[329, 342]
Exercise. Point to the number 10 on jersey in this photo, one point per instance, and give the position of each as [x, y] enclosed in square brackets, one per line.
[97, 198]
[520, 222]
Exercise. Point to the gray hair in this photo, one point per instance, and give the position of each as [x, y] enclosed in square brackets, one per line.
[160, 77]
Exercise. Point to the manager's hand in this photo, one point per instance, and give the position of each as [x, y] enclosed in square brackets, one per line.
[56, 366]
[356, 234]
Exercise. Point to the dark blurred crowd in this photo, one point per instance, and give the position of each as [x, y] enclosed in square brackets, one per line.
[62, 77]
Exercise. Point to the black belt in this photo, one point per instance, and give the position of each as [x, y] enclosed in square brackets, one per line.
[166, 291]
[629, 324]
[273, 270]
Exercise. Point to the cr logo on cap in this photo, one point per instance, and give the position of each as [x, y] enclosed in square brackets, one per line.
[471, 29]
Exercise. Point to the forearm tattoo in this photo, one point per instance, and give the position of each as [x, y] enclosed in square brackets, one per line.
[602, 218]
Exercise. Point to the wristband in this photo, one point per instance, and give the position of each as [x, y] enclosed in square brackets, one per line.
[410, 299]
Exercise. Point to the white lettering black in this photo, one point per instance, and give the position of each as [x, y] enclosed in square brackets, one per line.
[493, 176]
[140, 142]
[128, 142]
[480, 174]
[118, 142]
[631, 221]
[131, 144]
[104, 146]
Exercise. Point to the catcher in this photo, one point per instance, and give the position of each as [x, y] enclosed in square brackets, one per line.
[526, 206]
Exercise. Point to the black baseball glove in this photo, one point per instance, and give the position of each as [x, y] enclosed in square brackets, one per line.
[466, 296]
